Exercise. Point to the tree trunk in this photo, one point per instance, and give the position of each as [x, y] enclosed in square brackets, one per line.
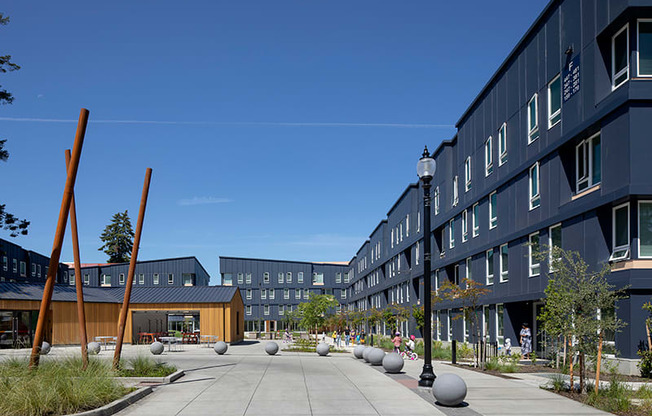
[582, 372]
[557, 355]
[649, 342]
[572, 385]
[599, 363]
[565, 351]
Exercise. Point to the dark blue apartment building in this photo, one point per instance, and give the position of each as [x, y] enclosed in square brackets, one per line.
[270, 288]
[21, 265]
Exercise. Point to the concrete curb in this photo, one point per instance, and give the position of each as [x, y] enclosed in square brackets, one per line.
[117, 405]
[158, 380]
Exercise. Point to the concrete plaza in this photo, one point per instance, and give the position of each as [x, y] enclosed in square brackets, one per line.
[247, 381]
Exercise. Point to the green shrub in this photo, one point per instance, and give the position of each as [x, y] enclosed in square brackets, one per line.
[614, 399]
[143, 366]
[645, 365]
[56, 387]
[557, 383]
[501, 364]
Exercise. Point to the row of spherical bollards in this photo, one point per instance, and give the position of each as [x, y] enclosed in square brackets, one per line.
[448, 389]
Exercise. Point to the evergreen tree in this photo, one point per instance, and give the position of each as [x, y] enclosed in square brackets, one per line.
[118, 238]
[8, 221]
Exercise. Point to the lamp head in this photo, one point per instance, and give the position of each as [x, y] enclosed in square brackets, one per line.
[426, 166]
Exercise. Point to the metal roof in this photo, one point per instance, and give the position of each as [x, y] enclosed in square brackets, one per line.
[67, 293]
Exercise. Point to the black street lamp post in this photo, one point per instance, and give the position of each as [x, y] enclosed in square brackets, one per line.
[426, 169]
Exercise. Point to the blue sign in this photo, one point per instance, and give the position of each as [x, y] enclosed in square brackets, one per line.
[571, 78]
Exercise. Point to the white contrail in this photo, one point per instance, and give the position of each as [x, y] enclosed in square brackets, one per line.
[232, 123]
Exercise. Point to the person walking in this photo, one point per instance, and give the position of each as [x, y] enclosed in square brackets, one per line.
[526, 340]
[347, 336]
[397, 342]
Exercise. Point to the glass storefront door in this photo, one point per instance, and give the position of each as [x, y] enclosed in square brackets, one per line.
[17, 328]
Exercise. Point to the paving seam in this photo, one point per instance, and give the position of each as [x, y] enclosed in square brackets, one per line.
[210, 385]
[303, 371]
[356, 386]
[426, 394]
[269, 362]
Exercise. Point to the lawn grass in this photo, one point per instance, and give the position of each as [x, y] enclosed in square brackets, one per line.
[144, 366]
[56, 387]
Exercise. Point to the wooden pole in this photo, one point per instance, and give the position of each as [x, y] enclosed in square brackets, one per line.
[58, 237]
[649, 341]
[132, 270]
[597, 367]
[81, 313]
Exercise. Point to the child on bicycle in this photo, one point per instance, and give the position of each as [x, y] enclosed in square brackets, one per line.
[397, 342]
[409, 345]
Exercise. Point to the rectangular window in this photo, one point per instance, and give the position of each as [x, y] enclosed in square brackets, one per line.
[338, 277]
[240, 278]
[14, 265]
[533, 248]
[644, 49]
[306, 293]
[141, 279]
[286, 293]
[488, 157]
[300, 277]
[645, 229]
[500, 325]
[504, 263]
[72, 278]
[535, 198]
[249, 295]
[436, 200]
[281, 309]
[554, 101]
[265, 309]
[451, 233]
[288, 277]
[318, 278]
[449, 317]
[620, 240]
[297, 293]
[554, 240]
[87, 279]
[156, 279]
[620, 57]
[5, 263]
[272, 294]
[23, 269]
[490, 266]
[493, 210]
[467, 174]
[170, 279]
[248, 309]
[456, 274]
[438, 326]
[106, 280]
[533, 119]
[502, 144]
[121, 278]
[33, 269]
[228, 279]
[465, 226]
[38, 270]
[588, 163]
[417, 254]
[280, 277]
[248, 278]
[188, 279]
[456, 197]
[343, 293]
[469, 270]
[266, 277]
[263, 293]
[475, 218]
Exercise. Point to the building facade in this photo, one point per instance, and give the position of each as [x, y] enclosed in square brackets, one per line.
[18, 264]
[271, 288]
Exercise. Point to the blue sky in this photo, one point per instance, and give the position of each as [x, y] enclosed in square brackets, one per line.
[280, 129]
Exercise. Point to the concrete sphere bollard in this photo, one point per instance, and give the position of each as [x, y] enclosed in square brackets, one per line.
[357, 351]
[94, 348]
[220, 347]
[156, 348]
[323, 349]
[376, 356]
[45, 348]
[393, 363]
[271, 348]
[449, 389]
[365, 353]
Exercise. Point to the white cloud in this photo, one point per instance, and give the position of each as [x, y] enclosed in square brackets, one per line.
[203, 200]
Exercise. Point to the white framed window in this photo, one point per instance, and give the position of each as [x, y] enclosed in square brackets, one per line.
[620, 57]
[418, 230]
[297, 293]
[156, 279]
[417, 254]
[248, 278]
[300, 277]
[407, 225]
[23, 269]
[438, 325]
[533, 119]
[489, 256]
[248, 310]
[249, 294]
[263, 293]
[500, 323]
[266, 277]
[451, 233]
[170, 278]
[448, 323]
[554, 101]
[72, 277]
[620, 234]
[502, 144]
[317, 278]
[645, 229]
[436, 198]
[272, 294]
[504, 263]
[554, 240]
[240, 278]
[338, 277]
[288, 277]
[306, 293]
[475, 216]
[5, 263]
[465, 226]
[469, 269]
[38, 270]
[644, 47]
[533, 247]
[121, 278]
[456, 197]
[436, 280]
[33, 269]
[467, 174]
[535, 197]
[106, 280]
[493, 210]
[280, 277]
[286, 293]
[87, 279]
[343, 293]
[141, 279]
[265, 309]
[456, 274]
[15, 266]
[281, 309]
[588, 163]
[488, 157]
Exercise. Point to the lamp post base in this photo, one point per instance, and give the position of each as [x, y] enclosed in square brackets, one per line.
[427, 377]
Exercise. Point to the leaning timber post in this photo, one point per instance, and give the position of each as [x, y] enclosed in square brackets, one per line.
[598, 365]
[132, 270]
[79, 287]
[58, 237]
